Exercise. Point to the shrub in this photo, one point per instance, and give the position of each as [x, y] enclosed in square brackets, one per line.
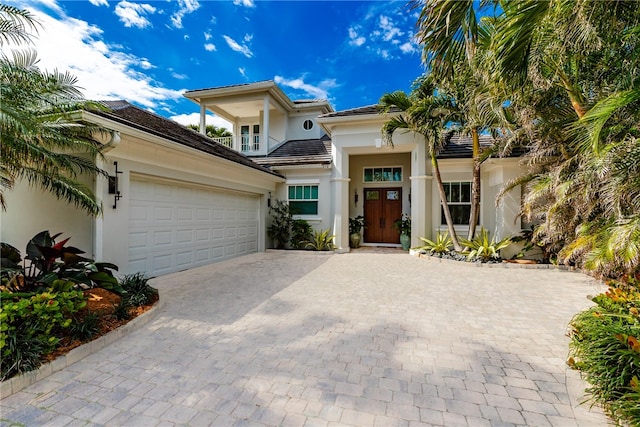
[31, 326]
[321, 241]
[356, 224]
[482, 248]
[605, 346]
[84, 327]
[441, 245]
[280, 228]
[47, 261]
[138, 290]
[301, 232]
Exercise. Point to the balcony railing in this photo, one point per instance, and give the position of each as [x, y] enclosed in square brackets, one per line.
[224, 140]
[248, 143]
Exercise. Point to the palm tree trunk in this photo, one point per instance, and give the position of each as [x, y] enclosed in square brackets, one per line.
[443, 201]
[474, 215]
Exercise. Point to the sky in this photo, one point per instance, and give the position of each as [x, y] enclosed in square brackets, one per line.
[150, 52]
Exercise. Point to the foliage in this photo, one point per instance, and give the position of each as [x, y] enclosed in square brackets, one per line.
[605, 346]
[212, 131]
[31, 326]
[403, 224]
[138, 291]
[321, 241]
[530, 244]
[42, 140]
[281, 220]
[48, 262]
[301, 232]
[356, 224]
[484, 248]
[122, 311]
[441, 245]
[84, 326]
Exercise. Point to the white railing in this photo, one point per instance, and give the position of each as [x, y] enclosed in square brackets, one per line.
[224, 140]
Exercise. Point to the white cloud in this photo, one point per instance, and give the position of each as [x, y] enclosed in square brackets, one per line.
[383, 53]
[207, 35]
[389, 30]
[179, 76]
[248, 38]
[145, 64]
[99, 2]
[194, 118]
[245, 3]
[134, 14]
[184, 7]
[210, 47]
[318, 92]
[234, 45]
[408, 47]
[354, 38]
[104, 72]
[243, 71]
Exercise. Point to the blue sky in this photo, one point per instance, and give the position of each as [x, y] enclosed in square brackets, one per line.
[150, 52]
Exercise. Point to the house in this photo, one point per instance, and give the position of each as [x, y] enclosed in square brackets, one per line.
[177, 199]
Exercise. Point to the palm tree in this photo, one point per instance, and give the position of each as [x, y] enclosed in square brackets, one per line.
[42, 141]
[425, 113]
[212, 131]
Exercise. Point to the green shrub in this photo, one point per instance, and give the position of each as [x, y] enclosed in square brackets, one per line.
[605, 346]
[483, 248]
[31, 326]
[321, 241]
[138, 291]
[122, 311]
[441, 245]
[84, 327]
[280, 228]
[301, 232]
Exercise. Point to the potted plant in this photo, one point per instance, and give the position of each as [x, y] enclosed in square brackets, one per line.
[355, 227]
[403, 225]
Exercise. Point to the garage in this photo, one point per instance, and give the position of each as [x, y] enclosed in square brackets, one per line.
[174, 226]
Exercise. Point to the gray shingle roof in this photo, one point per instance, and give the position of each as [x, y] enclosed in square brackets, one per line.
[130, 115]
[359, 111]
[299, 152]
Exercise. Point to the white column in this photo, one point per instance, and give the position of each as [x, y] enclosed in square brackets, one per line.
[264, 147]
[203, 119]
[98, 222]
[420, 195]
[340, 206]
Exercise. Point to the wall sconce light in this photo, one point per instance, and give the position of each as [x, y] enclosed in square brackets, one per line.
[113, 186]
[355, 197]
[269, 200]
[409, 197]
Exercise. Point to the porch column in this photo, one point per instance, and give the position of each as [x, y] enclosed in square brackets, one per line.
[420, 195]
[340, 203]
[203, 119]
[264, 147]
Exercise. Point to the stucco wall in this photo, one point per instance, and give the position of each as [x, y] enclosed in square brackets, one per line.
[296, 131]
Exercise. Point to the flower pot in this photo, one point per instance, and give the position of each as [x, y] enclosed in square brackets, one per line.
[354, 240]
[405, 241]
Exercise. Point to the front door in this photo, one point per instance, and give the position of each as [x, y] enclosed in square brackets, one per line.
[382, 207]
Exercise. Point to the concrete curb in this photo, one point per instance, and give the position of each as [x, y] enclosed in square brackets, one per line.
[24, 380]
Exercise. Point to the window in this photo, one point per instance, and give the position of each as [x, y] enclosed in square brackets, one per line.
[250, 138]
[459, 199]
[303, 199]
[389, 174]
[307, 125]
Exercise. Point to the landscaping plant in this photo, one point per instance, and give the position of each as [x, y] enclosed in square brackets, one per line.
[138, 291]
[301, 232]
[605, 347]
[441, 245]
[483, 248]
[321, 241]
[281, 220]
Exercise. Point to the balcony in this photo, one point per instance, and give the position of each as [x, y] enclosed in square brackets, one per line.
[247, 143]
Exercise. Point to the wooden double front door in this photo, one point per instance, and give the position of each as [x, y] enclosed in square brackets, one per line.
[382, 207]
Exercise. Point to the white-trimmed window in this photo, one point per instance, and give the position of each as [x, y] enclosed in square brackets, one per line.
[383, 174]
[459, 200]
[307, 124]
[303, 199]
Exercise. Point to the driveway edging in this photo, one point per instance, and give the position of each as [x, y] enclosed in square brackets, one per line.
[24, 380]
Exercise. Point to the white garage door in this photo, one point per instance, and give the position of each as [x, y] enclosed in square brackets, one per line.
[174, 226]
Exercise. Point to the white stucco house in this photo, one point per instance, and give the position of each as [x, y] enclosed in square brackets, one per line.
[182, 200]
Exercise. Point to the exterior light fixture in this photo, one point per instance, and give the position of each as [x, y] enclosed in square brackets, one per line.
[355, 197]
[269, 200]
[113, 186]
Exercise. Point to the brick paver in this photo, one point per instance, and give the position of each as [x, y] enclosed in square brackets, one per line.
[366, 338]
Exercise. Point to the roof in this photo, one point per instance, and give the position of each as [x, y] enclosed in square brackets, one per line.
[130, 115]
[359, 111]
[299, 152]
[461, 147]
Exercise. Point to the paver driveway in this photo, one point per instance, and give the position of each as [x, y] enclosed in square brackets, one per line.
[308, 339]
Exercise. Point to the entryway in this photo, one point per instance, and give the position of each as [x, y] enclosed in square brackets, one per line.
[382, 207]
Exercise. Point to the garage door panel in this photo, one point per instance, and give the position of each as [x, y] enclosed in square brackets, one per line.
[174, 227]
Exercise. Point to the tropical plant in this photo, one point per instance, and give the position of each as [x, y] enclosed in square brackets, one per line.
[281, 219]
[49, 263]
[301, 232]
[441, 245]
[137, 288]
[212, 131]
[425, 113]
[321, 241]
[84, 326]
[483, 248]
[356, 224]
[403, 224]
[42, 140]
